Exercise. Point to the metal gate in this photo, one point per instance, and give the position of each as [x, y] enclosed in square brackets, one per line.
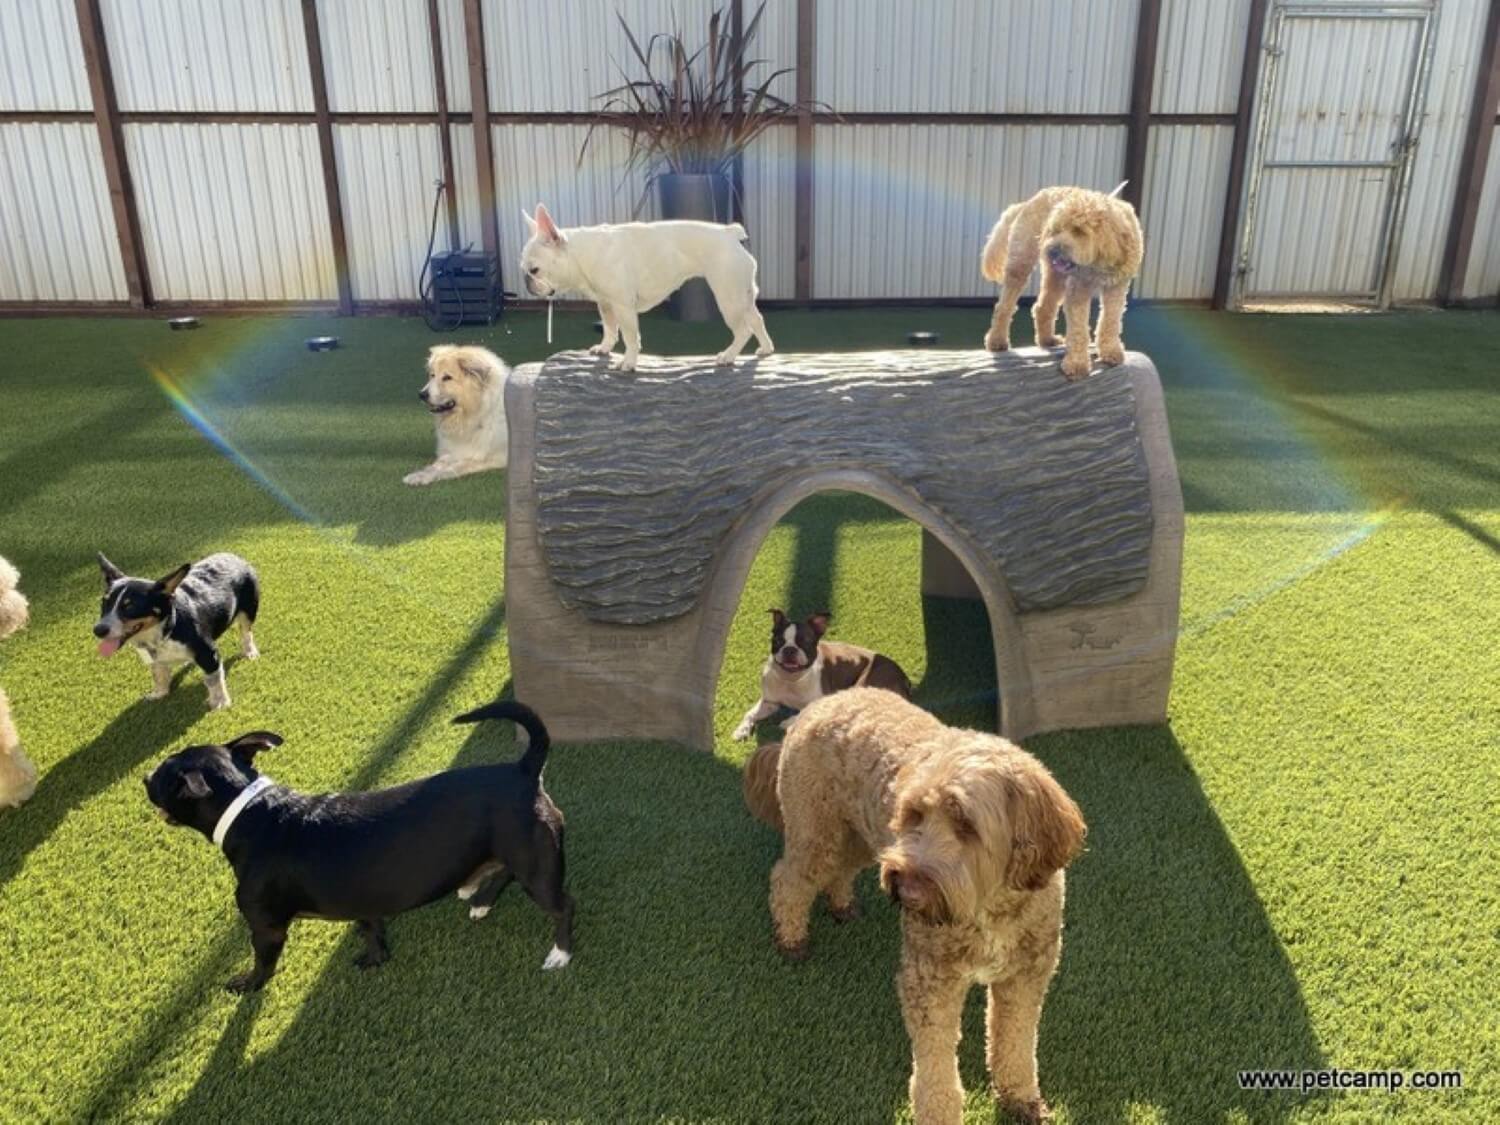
[1340, 103]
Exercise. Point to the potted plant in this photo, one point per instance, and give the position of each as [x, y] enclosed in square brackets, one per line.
[688, 120]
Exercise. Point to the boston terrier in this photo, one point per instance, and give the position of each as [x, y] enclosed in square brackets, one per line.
[363, 857]
[179, 618]
[803, 667]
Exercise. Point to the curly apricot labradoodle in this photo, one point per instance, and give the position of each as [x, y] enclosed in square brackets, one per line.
[1091, 243]
[971, 834]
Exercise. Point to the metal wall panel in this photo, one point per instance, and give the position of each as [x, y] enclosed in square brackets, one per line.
[1200, 49]
[202, 55]
[1187, 170]
[1460, 35]
[387, 174]
[41, 57]
[377, 55]
[465, 173]
[232, 212]
[975, 56]
[903, 210]
[57, 231]
[770, 210]
[1483, 277]
[455, 54]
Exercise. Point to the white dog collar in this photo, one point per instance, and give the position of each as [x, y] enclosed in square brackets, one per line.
[237, 806]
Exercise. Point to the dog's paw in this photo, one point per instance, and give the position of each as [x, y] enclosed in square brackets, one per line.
[1032, 1112]
[1075, 367]
[369, 959]
[1049, 341]
[419, 477]
[243, 983]
[1112, 357]
[625, 364]
[765, 350]
[742, 732]
[154, 695]
[601, 349]
[478, 913]
[997, 341]
[725, 359]
[556, 959]
[793, 951]
[220, 704]
[250, 652]
[849, 912]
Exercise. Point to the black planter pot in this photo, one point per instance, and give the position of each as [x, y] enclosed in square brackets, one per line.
[703, 197]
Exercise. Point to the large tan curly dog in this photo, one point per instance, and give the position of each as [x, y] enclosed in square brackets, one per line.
[971, 834]
[17, 774]
[1092, 243]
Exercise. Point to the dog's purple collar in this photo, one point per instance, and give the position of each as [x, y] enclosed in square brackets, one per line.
[237, 806]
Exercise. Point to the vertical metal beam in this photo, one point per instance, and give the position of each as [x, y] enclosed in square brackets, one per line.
[1472, 165]
[1234, 190]
[112, 147]
[484, 156]
[332, 195]
[1142, 85]
[807, 20]
[445, 138]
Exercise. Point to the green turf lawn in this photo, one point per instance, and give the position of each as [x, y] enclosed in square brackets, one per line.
[1301, 871]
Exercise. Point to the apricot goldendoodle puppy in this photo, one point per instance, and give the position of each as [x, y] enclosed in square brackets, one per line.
[1092, 243]
[971, 834]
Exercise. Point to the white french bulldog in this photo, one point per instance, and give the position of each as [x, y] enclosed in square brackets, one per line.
[631, 267]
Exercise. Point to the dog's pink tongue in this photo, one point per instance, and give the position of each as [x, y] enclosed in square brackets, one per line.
[109, 646]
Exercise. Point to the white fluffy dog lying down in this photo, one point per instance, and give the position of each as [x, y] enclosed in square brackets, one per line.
[465, 394]
[631, 267]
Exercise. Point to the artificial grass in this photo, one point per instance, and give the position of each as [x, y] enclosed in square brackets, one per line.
[1299, 872]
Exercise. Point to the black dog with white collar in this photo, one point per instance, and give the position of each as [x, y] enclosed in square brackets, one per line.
[363, 857]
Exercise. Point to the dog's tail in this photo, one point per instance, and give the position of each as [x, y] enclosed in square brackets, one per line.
[1118, 189]
[539, 740]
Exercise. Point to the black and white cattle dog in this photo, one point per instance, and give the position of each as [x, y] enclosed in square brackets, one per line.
[180, 618]
[363, 857]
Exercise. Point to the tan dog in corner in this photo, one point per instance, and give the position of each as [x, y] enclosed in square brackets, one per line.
[1088, 243]
[465, 394]
[17, 774]
[972, 834]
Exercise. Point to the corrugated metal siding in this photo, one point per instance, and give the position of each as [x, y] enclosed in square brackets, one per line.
[1483, 276]
[57, 232]
[975, 56]
[455, 55]
[1200, 50]
[770, 210]
[903, 210]
[377, 56]
[524, 45]
[465, 173]
[1187, 171]
[206, 55]
[1460, 34]
[538, 163]
[387, 175]
[41, 57]
[232, 212]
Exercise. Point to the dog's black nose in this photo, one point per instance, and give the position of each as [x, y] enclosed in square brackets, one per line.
[101, 630]
[422, 394]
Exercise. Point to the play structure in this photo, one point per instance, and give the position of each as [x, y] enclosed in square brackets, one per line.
[637, 501]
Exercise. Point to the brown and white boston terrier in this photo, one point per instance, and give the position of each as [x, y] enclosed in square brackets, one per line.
[803, 667]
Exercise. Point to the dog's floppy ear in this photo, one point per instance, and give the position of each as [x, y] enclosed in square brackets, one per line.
[1046, 827]
[192, 786]
[246, 746]
[112, 573]
[479, 372]
[174, 580]
[818, 622]
[546, 227]
[778, 620]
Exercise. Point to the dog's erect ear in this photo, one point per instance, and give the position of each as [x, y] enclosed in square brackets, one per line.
[1046, 826]
[174, 580]
[778, 621]
[246, 746]
[193, 786]
[546, 227]
[818, 622]
[112, 573]
[530, 222]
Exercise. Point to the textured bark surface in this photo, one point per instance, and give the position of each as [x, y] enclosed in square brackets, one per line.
[640, 477]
